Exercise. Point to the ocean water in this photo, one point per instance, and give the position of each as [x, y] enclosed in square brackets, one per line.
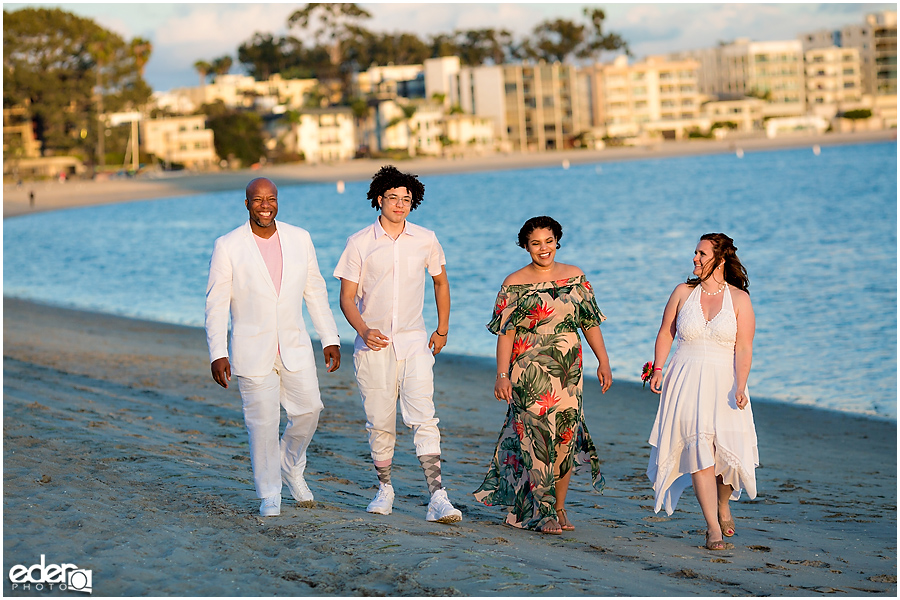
[817, 233]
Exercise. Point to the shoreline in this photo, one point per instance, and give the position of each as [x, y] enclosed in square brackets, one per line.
[470, 361]
[122, 456]
[76, 193]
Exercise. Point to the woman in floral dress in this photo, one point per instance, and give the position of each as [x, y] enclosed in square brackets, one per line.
[537, 315]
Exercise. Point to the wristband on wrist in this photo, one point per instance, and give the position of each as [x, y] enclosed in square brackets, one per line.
[501, 375]
[441, 334]
[657, 369]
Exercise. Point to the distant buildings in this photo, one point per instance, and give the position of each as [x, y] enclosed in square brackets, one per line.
[876, 40]
[772, 71]
[181, 140]
[652, 97]
[843, 79]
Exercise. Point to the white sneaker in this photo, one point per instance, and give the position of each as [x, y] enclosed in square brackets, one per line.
[270, 507]
[297, 485]
[384, 500]
[440, 509]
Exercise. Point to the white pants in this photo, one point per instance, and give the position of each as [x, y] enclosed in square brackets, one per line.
[262, 397]
[381, 378]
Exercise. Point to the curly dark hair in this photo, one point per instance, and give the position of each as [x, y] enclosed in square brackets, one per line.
[725, 250]
[542, 222]
[388, 178]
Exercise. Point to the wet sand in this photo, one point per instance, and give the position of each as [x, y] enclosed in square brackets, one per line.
[122, 456]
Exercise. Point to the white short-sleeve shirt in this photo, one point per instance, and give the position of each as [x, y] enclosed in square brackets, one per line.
[391, 278]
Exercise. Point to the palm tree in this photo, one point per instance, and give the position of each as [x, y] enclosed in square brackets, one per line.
[141, 49]
[204, 69]
[221, 65]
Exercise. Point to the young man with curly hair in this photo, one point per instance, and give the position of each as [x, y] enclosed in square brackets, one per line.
[382, 272]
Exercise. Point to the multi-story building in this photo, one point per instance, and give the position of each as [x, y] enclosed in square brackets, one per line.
[655, 96]
[180, 140]
[823, 38]
[876, 41]
[745, 115]
[544, 108]
[769, 70]
[19, 140]
[240, 91]
[324, 134]
[534, 107]
[833, 80]
[407, 81]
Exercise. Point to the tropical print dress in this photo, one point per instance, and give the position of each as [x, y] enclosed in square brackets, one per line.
[544, 435]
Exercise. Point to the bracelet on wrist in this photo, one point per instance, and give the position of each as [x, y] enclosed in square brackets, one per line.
[657, 368]
[441, 334]
[501, 375]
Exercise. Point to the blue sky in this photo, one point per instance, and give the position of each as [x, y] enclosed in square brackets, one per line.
[183, 33]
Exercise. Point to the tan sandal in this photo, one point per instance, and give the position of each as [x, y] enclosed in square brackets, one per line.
[549, 532]
[727, 526]
[715, 546]
[562, 512]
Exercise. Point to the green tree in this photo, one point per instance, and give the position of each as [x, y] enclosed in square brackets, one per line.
[560, 39]
[860, 113]
[203, 69]
[264, 55]
[221, 65]
[478, 46]
[332, 24]
[236, 134]
[66, 70]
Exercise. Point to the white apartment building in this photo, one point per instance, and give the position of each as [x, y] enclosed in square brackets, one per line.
[182, 140]
[239, 91]
[545, 106]
[325, 134]
[746, 113]
[419, 133]
[833, 80]
[772, 70]
[469, 134]
[655, 96]
[386, 80]
[876, 40]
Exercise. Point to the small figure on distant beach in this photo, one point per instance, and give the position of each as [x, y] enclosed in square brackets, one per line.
[261, 273]
[537, 315]
[704, 432]
[31, 198]
[382, 272]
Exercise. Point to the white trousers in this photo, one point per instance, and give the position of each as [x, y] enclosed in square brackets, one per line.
[381, 379]
[262, 397]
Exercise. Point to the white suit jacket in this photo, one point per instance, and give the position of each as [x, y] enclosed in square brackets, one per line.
[262, 320]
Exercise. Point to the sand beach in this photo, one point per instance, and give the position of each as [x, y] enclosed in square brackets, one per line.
[122, 456]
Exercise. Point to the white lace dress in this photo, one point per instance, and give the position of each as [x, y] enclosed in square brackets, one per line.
[698, 423]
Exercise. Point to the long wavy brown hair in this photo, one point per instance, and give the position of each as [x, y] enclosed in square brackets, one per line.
[724, 249]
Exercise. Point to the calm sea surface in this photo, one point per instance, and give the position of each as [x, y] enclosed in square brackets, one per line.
[818, 235]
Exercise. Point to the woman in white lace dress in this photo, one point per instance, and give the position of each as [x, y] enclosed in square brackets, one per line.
[704, 433]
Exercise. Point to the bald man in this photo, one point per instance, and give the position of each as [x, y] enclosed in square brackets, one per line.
[260, 274]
